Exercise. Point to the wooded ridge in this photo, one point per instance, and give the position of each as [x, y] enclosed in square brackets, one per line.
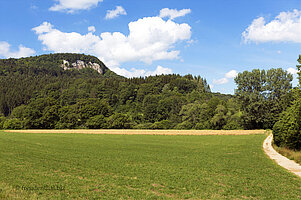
[66, 91]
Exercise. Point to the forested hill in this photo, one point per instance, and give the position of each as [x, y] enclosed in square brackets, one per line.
[65, 91]
[21, 79]
[53, 65]
[79, 91]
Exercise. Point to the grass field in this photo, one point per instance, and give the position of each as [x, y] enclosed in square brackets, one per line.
[103, 166]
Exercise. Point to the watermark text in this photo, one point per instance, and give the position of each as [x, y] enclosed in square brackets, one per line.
[41, 188]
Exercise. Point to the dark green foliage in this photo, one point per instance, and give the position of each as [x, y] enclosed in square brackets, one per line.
[150, 104]
[43, 64]
[37, 93]
[13, 123]
[76, 115]
[183, 85]
[164, 124]
[191, 113]
[233, 116]
[287, 131]
[299, 70]
[41, 113]
[184, 125]
[143, 126]
[119, 121]
[21, 78]
[97, 122]
[2, 120]
[219, 119]
[203, 125]
[234, 122]
[41, 94]
[263, 95]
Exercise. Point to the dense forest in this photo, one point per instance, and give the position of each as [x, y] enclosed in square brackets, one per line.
[38, 93]
[287, 129]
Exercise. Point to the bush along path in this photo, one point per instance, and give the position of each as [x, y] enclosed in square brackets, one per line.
[284, 162]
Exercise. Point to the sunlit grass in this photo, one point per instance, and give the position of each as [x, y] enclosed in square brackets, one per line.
[291, 154]
[89, 166]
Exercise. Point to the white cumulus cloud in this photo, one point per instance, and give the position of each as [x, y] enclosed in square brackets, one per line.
[115, 13]
[58, 41]
[220, 81]
[161, 70]
[149, 39]
[231, 74]
[173, 13]
[286, 27]
[292, 71]
[5, 51]
[71, 6]
[46, 27]
[91, 29]
[141, 72]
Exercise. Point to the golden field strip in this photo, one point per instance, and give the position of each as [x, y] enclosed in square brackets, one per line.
[146, 132]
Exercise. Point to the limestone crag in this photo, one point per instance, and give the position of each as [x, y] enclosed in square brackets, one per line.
[81, 65]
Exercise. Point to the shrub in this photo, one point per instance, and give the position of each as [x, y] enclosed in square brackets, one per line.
[2, 120]
[97, 122]
[232, 125]
[119, 121]
[164, 124]
[204, 125]
[184, 125]
[143, 126]
[13, 123]
[287, 131]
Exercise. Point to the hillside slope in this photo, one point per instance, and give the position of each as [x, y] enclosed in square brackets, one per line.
[53, 65]
[67, 91]
[21, 79]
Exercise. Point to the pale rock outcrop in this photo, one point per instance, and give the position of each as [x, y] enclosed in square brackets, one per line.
[79, 64]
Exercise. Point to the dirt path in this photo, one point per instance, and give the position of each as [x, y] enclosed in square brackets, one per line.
[147, 132]
[288, 164]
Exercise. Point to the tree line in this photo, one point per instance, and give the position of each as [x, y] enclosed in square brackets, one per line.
[36, 92]
[287, 129]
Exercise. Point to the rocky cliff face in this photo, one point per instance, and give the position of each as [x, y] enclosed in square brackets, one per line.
[81, 65]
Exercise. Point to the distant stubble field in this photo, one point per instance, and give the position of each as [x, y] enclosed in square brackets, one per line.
[112, 166]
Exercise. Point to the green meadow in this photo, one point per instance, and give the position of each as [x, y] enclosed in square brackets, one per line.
[83, 166]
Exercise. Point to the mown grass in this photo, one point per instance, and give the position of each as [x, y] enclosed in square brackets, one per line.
[140, 167]
[291, 154]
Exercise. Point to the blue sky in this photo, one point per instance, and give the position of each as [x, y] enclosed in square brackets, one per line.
[215, 38]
